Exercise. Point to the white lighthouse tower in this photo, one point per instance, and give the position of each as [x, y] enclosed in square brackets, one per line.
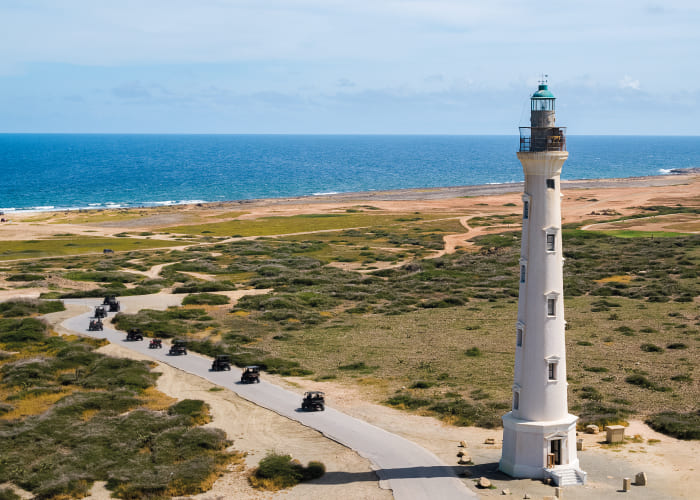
[539, 434]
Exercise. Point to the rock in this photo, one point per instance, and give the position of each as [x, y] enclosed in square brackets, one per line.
[465, 459]
[463, 444]
[490, 441]
[483, 482]
[505, 492]
[460, 453]
[559, 492]
[640, 479]
[626, 484]
[592, 429]
[527, 496]
[579, 444]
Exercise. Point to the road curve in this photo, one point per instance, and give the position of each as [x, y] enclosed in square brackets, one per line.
[410, 471]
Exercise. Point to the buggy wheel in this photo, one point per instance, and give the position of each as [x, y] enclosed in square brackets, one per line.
[257, 380]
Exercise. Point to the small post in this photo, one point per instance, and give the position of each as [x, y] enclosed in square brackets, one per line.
[626, 484]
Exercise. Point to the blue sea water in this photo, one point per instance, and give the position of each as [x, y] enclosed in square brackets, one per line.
[53, 172]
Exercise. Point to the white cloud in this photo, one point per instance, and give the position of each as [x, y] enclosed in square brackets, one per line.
[629, 83]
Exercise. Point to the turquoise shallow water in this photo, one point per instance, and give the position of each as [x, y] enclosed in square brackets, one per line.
[52, 172]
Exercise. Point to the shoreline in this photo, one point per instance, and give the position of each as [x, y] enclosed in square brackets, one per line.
[408, 194]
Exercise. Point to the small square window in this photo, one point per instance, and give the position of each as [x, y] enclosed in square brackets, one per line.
[551, 307]
[526, 209]
[552, 371]
[550, 242]
[550, 184]
[519, 337]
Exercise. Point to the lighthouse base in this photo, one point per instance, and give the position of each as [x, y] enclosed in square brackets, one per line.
[541, 449]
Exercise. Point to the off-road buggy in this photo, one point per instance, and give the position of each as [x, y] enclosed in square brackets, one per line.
[155, 344]
[251, 374]
[134, 334]
[95, 325]
[313, 401]
[178, 347]
[221, 362]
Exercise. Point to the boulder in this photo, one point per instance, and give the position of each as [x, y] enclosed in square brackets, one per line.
[463, 444]
[526, 496]
[640, 479]
[505, 492]
[490, 441]
[464, 459]
[592, 429]
[483, 482]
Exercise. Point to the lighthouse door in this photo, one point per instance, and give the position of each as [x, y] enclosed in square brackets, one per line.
[555, 451]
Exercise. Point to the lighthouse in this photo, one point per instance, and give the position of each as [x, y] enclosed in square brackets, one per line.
[539, 433]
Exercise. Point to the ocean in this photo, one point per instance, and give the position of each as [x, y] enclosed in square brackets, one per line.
[73, 171]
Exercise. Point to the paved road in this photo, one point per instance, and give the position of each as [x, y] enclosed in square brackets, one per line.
[410, 471]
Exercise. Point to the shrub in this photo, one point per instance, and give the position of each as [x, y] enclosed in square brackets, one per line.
[9, 494]
[196, 410]
[677, 345]
[25, 277]
[27, 307]
[595, 369]
[421, 384]
[651, 348]
[210, 299]
[276, 472]
[678, 425]
[473, 352]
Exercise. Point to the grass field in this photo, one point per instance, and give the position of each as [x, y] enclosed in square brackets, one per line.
[434, 335]
[25, 249]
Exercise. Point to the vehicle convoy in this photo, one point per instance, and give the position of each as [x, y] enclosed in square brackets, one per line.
[155, 344]
[95, 325]
[313, 401]
[221, 362]
[178, 347]
[111, 303]
[134, 334]
[100, 312]
[251, 374]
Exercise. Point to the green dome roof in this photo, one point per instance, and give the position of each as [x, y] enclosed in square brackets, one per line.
[543, 93]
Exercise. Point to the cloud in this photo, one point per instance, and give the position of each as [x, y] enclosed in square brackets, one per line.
[628, 83]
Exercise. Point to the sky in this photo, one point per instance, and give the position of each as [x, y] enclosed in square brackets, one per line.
[347, 67]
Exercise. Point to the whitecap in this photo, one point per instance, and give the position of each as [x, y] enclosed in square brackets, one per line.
[665, 170]
[326, 193]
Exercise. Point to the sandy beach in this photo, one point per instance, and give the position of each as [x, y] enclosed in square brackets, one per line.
[670, 464]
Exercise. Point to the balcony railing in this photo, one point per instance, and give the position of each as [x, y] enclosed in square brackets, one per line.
[534, 139]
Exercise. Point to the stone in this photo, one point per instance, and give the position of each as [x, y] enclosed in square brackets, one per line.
[505, 492]
[484, 482]
[626, 484]
[490, 441]
[526, 496]
[615, 433]
[592, 429]
[579, 444]
[465, 459]
[463, 444]
[640, 479]
[460, 453]
[559, 492]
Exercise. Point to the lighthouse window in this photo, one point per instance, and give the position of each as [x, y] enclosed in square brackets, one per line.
[523, 272]
[516, 400]
[552, 371]
[550, 242]
[551, 307]
[526, 209]
[519, 337]
[550, 183]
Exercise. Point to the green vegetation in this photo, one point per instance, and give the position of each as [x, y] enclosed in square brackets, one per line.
[71, 416]
[678, 425]
[27, 307]
[276, 472]
[11, 249]
[205, 299]
[173, 322]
